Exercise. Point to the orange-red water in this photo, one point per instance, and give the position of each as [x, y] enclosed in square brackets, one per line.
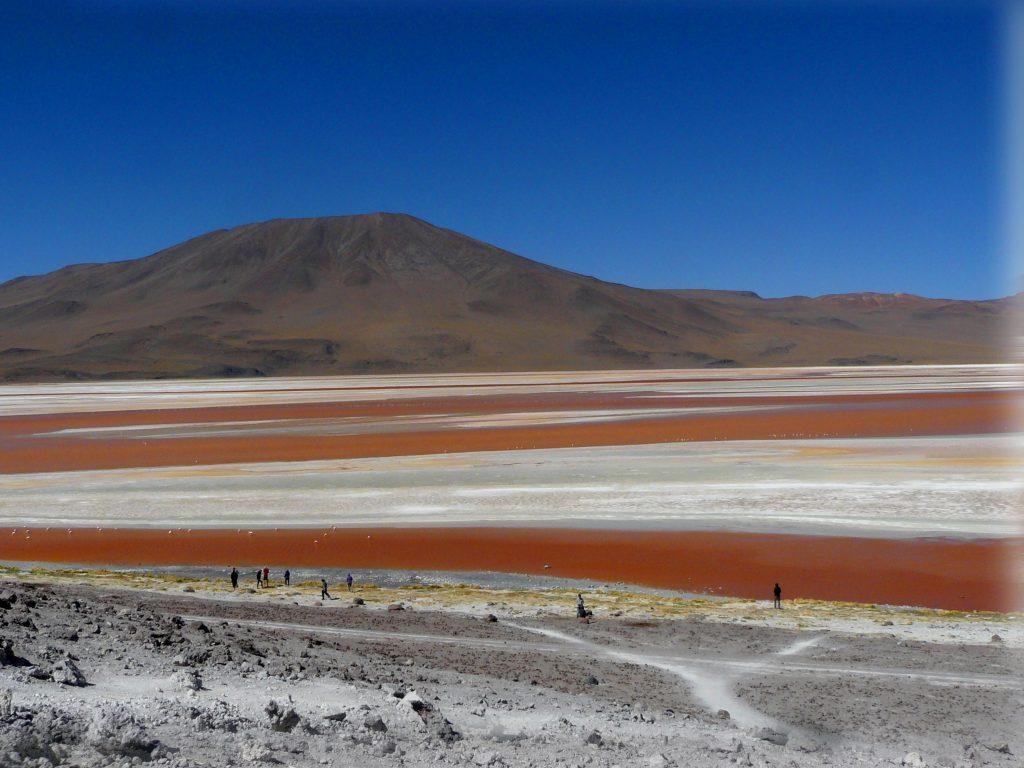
[23, 449]
[968, 575]
[939, 573]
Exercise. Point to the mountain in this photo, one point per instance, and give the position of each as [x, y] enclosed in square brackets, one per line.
[391, 293]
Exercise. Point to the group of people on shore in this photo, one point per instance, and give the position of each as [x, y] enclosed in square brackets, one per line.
[263, 581]
[262, 578]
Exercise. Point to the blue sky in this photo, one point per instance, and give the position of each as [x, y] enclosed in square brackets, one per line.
[782, 148]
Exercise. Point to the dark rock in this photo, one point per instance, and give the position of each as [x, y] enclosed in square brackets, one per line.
[281, 719]
[8, 658]
[445, 732]
[374, 723]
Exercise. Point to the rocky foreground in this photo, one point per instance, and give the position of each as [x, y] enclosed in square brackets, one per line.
[93, 675]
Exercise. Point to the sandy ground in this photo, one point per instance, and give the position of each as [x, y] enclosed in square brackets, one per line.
[182, 671]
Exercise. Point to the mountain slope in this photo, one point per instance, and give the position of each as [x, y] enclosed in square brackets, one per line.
[391, 293]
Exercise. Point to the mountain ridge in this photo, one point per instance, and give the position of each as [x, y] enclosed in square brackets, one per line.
[387, 292]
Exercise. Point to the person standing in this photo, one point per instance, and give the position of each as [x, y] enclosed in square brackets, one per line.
[266, 577]
[234, 577]
[348, 581]
[287, 577]
[259, 578]
[778, 595]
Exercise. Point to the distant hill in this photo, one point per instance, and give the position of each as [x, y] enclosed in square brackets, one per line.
[391, 293]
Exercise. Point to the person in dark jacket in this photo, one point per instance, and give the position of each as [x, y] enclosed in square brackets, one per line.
[778, 595]
[234, 577]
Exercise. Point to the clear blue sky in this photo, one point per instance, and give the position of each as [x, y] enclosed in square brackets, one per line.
[801, 148]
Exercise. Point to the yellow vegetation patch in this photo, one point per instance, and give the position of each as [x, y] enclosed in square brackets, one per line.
[636, 606]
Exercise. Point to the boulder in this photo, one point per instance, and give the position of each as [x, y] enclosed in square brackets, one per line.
[115, 732]
[8, 658]
[254, 752]
[772, 736]
[374, 722]
[66, 672]
[411, 702]
[445, 732]
[219, 716]
[187, 680]
[281, 718]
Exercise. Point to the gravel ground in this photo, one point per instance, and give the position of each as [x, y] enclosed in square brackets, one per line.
[95, 675]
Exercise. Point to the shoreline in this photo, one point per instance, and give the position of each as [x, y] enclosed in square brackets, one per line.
[952, 574]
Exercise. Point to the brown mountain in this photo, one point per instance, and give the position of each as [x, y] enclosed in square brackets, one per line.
[391, 293]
